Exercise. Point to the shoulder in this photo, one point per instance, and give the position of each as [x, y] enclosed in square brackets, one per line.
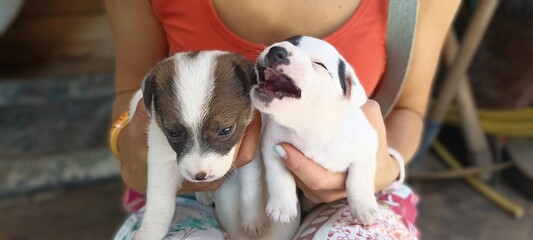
[437, 11]
[434, 20]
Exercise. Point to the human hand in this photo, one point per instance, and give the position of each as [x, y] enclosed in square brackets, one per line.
[133, 147]
[321, 185]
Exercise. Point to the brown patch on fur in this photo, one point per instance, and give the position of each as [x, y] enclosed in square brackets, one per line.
[230, 105]
[164, 98]
[160, 91]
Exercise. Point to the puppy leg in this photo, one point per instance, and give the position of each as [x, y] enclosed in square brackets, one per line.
[282, 206]
[360, 190]
[252, 206]
[163, 182]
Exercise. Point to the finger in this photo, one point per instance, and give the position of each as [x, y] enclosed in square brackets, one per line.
[136, 129]
[373, 113]
[326, 196]
[312, 175]
[248, 145]
[372, 110]
[140, 111]
[331, 196]
[307, 192]
[313, 197]
[133, 137]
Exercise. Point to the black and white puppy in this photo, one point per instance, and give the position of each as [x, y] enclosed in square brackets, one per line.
[199, 107]
[310, 97]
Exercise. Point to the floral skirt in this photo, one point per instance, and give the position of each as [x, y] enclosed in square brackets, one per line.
[193, 220]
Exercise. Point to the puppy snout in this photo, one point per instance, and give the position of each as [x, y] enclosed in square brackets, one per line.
[200, 176]
[277, 55]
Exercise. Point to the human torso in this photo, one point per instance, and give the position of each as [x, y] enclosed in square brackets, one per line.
[355, 28]
[280, 19]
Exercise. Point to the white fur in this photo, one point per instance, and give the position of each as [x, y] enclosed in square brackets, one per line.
[325, 125]
[163, 182]
[133, 103]
[240, 200]
[249, 220]
[164, 175]
[194, 95]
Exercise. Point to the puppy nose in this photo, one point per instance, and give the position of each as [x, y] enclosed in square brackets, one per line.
[200, 176]
[276, 55]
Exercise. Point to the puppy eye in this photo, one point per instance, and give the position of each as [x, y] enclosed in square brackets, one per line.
[321, 64]
[172, 133]
[224, 131]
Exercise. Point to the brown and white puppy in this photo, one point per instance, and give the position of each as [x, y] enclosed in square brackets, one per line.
[199, 107]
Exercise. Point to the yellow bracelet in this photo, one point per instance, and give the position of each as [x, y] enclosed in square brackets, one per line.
[119, 124]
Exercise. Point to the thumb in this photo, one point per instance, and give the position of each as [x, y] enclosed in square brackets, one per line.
[140, 118]
[372, 110]
[294, 159]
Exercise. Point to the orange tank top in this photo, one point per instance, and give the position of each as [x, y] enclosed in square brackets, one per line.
[195, 25]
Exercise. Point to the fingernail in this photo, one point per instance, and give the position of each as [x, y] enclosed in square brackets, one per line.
[280, 151]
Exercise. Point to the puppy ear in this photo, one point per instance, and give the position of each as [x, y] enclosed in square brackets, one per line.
[148, 87]
[354, 90]
[244, 70]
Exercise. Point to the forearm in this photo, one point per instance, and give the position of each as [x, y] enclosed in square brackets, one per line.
[139, 43]
[404, 126]
[132, 145]
[121, 103]
[404, 131]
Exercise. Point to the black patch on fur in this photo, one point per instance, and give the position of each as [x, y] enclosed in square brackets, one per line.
[342, 75]
[247, 78]
[168, 112]
[193, 54]
[263, 97]
[295, 40]
[276, 56]
[260, 72]
[159, 92]
[148, 92]
[181, 144]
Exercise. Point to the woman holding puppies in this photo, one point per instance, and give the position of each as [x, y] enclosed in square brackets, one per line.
[146, 31]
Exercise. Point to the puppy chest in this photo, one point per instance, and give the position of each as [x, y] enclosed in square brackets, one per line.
[333, 156]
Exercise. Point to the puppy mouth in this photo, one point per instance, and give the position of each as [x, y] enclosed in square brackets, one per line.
[275, 84]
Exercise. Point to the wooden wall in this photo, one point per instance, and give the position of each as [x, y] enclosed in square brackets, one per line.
[57, 37]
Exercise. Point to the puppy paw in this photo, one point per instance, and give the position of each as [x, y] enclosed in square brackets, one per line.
[282, 211]
[365, 212]
[205, 198]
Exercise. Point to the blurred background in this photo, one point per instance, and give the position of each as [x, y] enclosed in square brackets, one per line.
[58, 180]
